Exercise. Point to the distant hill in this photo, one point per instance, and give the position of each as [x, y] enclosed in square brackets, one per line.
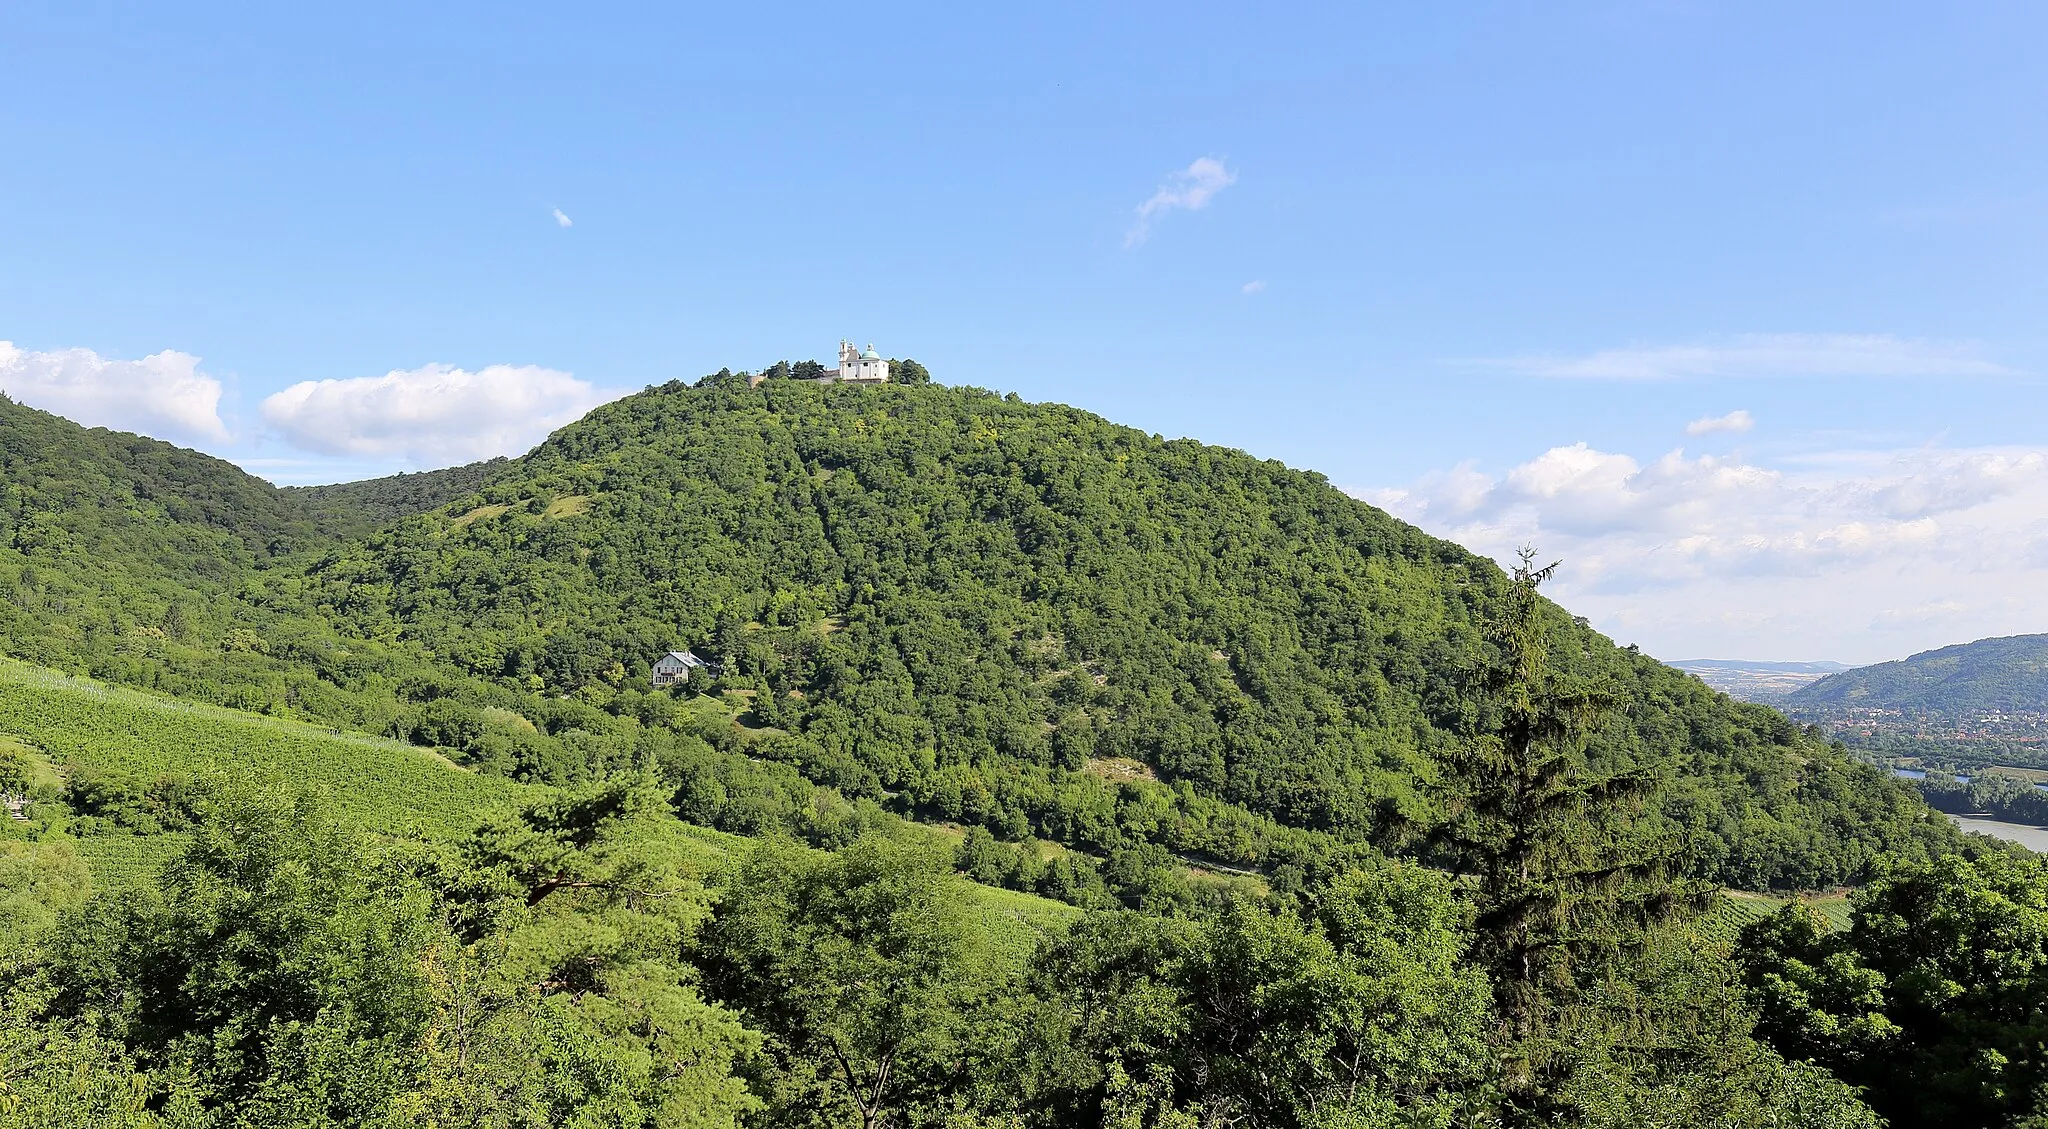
[378, 500]
[104, 534]
[1753, 680]
[111, 541]
[2003, 674]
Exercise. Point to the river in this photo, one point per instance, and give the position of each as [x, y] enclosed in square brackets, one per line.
[2026, 835]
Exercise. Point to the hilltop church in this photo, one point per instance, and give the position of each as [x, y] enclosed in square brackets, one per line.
[855, 367]
[858, 368]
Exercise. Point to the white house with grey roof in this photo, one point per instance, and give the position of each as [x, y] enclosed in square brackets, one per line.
[676, 666]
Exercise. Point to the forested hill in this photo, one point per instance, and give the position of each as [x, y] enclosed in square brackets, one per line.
[2009, 673]
[104, 533]
[109, 492]
[982, 606]
[968, 607]
[379, 500]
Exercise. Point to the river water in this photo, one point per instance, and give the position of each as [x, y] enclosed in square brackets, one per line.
[2026, 835]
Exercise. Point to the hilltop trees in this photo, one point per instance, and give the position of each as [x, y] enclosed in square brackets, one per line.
[967, 601]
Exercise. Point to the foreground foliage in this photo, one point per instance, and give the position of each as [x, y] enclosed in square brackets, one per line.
[1935, 998]
[286, 971]
[567, 966]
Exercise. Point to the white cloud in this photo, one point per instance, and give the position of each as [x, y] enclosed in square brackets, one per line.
[1769, 355]
[562, 220]
[163, 394]
[1186, 190]
[438, 415]
[1729, 557]
[1737, 421]
[1253, 287]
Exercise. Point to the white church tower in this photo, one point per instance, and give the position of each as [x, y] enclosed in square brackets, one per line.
[861, 368]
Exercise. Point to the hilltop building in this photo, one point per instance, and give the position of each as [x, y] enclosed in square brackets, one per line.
[857, 367]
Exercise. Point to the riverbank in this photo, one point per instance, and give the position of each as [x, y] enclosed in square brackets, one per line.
[2026, 835]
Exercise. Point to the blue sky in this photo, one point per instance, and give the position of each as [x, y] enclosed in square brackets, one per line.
[1482, 264]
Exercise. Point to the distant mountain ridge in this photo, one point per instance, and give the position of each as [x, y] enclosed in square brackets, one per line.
[2005, 673]
[1754, 680]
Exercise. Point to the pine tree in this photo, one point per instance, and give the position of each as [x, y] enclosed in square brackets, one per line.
[1560, 875]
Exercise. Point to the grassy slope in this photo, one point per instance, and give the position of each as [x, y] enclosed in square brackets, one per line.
[383, 786]
[1735, 909]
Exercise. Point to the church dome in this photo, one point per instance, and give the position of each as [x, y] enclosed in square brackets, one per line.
[871, 355]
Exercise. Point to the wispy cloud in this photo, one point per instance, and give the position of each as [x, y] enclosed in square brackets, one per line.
[1185, 190]
[1737, 421]
[1766, 355]
[164, 394]
[1254, 286]
[562, 220]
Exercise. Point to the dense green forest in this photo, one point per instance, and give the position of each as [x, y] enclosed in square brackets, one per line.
[380, 500]
[1049, 774]
[574, 959]
[970, 608]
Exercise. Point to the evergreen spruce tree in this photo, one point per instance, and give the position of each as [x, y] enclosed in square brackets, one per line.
[1560, 875]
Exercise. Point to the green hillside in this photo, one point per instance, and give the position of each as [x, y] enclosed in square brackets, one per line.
[106, 534]
[2009, 673]
[379, 500]
[453, 860]
[960, 605]
[132, 740]
[126, 739]
[113, 544]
